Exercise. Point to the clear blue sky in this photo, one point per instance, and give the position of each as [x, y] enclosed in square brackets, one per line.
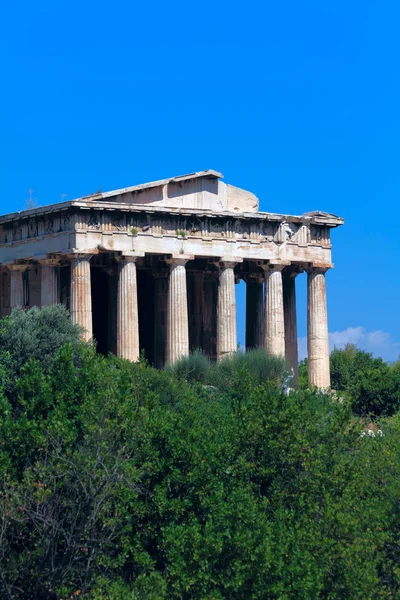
[297, 101]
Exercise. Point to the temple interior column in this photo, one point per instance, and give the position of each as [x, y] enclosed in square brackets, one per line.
[160, 317]
[81, 294]
[210, 293]
[274, 322]
[127, 310]
[17, 286]
[196, 309]
[289, 309]
[254, 311]
[49, 282]
[177, 320]
[226, 312]
[318, 344]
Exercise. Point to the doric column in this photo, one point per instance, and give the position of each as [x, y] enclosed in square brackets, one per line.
[226, 312]
[49, 282]
[196, 337]
[177, 316]
[210, 314]
[16, 285]
[254, 311]
[289, 310]
[127, 310]
[274, 322]
[81, 294]
[318, 344]
[160, 316]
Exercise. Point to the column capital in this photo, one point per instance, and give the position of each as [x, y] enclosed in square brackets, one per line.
[127, 258]
[254, 277]
[320, 268]
[79, 256]
[18, 267]
[227, 262]
[179, 260]
[292, 272]
[275, 265]
[49, 261]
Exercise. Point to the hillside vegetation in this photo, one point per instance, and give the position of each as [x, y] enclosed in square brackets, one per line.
[206, 482]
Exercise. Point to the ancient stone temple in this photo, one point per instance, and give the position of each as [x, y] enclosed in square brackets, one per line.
[154, 267]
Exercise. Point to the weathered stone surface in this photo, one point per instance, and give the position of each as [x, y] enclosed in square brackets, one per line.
[49, 282]
[274, 323]
[81, 294]
[194, 218]
[127, 310]
[177, 324]
[226, 312]
[16, 286]
[318, 344]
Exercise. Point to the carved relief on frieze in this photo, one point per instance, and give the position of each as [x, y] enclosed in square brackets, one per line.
[217, 228]
[118, 223]
[169, 226]
[242, 230]
[17, 232]
[194, 226]
[66, 222]
[268, 231]
[49, 225]
[289, 231]
[319, 235]
[285, 232]
[144, 223]
[94, 221]
[32, 228]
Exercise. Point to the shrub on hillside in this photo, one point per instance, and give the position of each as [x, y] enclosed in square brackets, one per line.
[34, 334]
[195, 367]
[260, 365]
[111, 492]
[376, 392]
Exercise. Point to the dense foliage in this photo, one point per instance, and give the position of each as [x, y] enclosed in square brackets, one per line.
[371, 385]
[121, 481]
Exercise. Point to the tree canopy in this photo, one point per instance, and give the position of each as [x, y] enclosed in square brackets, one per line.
[121, 481]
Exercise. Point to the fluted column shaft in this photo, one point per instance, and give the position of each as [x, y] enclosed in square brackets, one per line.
[254, 312]
[16, 286]
[127, 310]
[81, 294]
[48, 283]
[274, 322]
[318, 344]
[226, 312]
[160, 317]
[289, 310]
[177, 324]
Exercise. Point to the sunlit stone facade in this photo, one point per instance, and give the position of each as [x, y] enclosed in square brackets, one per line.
[153, 267]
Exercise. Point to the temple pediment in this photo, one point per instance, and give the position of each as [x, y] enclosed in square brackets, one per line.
[202, 190]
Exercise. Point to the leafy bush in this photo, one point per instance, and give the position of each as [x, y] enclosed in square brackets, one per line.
[34, 334]
[376, 392]
[261, 366]
[121, 481]
[195, 367]
[126, 482]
